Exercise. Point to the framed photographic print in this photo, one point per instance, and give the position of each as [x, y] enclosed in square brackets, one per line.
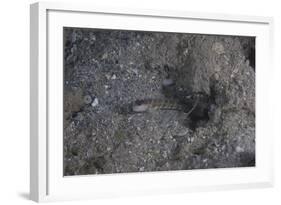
[128, 101]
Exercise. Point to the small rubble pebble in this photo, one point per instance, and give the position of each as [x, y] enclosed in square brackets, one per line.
[167, 82]
[95, 102]
[113, 77]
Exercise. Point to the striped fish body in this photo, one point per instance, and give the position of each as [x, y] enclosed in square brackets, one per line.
[156, 104]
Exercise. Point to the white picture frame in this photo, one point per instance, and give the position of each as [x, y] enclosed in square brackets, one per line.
[46, 179]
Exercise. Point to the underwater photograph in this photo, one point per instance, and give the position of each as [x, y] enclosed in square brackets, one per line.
[143, 101]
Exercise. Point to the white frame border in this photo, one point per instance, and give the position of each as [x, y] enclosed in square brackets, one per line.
[39, 92]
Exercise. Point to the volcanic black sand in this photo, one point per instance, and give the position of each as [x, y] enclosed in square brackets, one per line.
[107, 71]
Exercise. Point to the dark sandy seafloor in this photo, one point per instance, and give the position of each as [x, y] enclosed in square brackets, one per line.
[105, 71]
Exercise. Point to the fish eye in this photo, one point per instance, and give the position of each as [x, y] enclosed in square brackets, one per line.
[138, 102]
